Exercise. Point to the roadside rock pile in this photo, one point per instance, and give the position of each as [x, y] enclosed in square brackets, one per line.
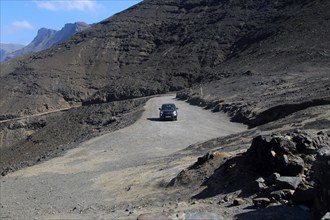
[322, 180]
[294, 169]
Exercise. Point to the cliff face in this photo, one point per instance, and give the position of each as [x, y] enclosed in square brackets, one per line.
[167, 45]
[47, 37]
[66, 32]
[39, 43]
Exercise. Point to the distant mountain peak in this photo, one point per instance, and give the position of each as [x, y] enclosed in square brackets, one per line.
[46, 38]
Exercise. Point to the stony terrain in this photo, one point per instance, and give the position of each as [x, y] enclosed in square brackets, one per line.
[29, 140]
[264, 63]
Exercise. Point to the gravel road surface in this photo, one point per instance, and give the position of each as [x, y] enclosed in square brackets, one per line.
[90, 180]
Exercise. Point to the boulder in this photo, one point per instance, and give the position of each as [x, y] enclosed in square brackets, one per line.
[294, 166]
[308, 142]
[304, 195]
[280, 195]
[261, 202]
[286, 154]
[260, 184]
[322, 179]
[297, 165]
[326, 216]
[238, 201]
[272, 178]
[273, 153]
[287, 182]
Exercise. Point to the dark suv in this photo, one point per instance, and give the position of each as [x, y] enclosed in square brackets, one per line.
[168, 111]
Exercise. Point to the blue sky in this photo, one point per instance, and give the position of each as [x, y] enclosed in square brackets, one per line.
[21, 19]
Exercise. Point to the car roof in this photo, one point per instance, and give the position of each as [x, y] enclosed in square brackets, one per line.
[165, 104]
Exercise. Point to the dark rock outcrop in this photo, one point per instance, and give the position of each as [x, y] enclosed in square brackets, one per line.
[295, 175]
[286, 154]
[322, 179]
[287, 182]
[261, 202]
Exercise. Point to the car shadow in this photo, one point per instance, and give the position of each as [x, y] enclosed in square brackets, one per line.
[158, 119]
[154, 119]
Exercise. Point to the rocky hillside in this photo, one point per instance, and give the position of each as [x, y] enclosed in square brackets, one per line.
[265, 63]
[160, 46]
[47, 37]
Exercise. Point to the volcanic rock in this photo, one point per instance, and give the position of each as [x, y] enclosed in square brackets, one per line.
[238, 201]
[304, 195]
[322, 179]
[280, 195]
[284, 153]
[287, 182]
[261, 202]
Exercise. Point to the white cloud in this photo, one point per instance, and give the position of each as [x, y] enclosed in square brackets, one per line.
[22, 25]
[69, 5]
[18, 25]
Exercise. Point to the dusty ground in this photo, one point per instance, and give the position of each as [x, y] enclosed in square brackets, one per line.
[115, 175]
[266, 65]
[123, 174]
[32, 139]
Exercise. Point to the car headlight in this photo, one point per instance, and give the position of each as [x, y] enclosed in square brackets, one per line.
[161, 112]
[174, 113]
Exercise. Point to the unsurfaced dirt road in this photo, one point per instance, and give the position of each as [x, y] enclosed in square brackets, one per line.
[107, 177]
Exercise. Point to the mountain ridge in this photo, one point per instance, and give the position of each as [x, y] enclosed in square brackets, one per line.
[48, 37]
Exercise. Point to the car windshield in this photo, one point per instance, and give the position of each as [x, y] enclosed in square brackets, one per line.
[168, 107]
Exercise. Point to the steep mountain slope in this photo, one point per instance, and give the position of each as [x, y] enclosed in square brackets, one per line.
[160, 46]
[47, 37]
[276, 70]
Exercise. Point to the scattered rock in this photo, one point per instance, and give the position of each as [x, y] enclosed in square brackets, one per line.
[326, 216]
[238, 201]
[281, 195]
[287, 182]
[322, 179]
[207, 157]
[260, 184]
[272, 153]
[294, 166]
[261, 202]
[308, 142]
[227, 198]
[306, 195]
[286, 154]
[272, 178]
[290, 158]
